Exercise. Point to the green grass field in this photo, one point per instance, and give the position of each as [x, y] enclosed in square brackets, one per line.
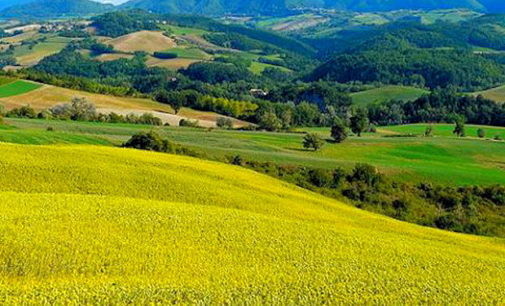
[443, 159]
[17, 88]
[446, 130]
[190, 53]
[27, 56]
[181, 31]
[95, 225]
[387, 93]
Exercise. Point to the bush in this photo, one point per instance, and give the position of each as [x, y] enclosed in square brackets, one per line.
[22, 112]
[481, 133]
[270, 122]
[320, 177]
[225, 123]
[149, 141]
[366, 174]
[339, 132]
[189, 123]
[312, 141]
[165, 55]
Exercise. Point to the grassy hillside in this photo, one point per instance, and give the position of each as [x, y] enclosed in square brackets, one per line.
[445, 160]
[91, 224]
[18, 87]
[496, 94]
[387, 93]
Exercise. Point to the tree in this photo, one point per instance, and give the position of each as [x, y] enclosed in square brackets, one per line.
[149, 141]
[339, 131]
[312, 141]
[429, 131]
[366, 174]
[81, 109]
[459, 129]
[320, 177]
[481, 133]
[175, 99]
[225, 123]
[270, 122]
[360, 121]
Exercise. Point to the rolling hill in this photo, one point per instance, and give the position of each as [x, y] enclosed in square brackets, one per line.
[257, 7]
[90, 224]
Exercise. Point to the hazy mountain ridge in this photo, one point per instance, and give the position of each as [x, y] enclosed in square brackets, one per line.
[218, 7]
[54, 8]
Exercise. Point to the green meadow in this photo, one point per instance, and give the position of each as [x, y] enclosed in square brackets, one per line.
[387, 93]
[444, 159]
[17, 88]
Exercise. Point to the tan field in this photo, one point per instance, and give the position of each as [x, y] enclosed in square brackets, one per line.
[174, 64]
[19, 38]
[112, 57]
[148, 41]
[49, 96]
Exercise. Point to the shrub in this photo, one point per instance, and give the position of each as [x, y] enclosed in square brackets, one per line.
[320, 177]
[339, 132]
[149, 141]
[339, 176]
[270, 122]
[481, 133]
[459, 129]
[312, 141]
[366, 174]
[225, 123]
[189, 123]
[165, 55]
[22, 112]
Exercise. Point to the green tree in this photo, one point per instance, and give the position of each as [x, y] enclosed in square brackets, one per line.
[224, 123]
[459, 129]
[270, 122]
[313, 141]
[481, 133]
[175, 99]
[360, 121]
[339, 131]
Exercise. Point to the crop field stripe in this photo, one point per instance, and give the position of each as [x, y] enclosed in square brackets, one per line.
[17, 88]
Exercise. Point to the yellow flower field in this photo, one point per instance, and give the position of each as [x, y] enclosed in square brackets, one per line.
[97, 225]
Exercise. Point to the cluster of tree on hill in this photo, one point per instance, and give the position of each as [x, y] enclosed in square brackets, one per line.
[116, 24]
[413, 53]
[439, 106]
[79, 109]
[422, 67]
[152, 141]
[472, 209]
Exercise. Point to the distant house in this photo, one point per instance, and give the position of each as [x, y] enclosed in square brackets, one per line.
[258, 92]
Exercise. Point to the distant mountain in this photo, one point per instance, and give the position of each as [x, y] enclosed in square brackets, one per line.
[8, 3]
[53, 8]
[266, 7]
